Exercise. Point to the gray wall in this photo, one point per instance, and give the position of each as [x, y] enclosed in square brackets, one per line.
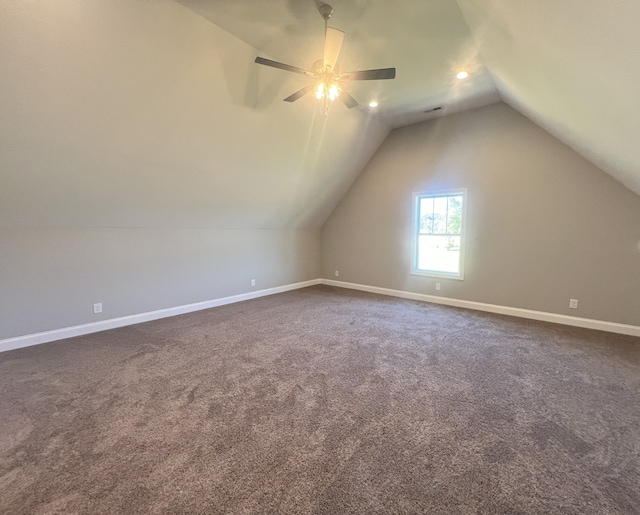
[543, 224]
[139, 166]
[50, 277]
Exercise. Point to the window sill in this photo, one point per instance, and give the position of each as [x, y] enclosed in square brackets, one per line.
[439, 275]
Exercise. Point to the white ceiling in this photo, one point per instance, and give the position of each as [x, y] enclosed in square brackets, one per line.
[427, 42]
[572, 66]
[132, 113]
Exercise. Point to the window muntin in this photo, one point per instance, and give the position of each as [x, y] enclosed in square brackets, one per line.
[439, 234]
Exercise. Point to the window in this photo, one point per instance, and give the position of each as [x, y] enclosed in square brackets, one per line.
[439, 234]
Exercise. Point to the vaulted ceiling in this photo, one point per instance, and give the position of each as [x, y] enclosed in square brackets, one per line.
[427, 41]
[572, 66]
[138, 113]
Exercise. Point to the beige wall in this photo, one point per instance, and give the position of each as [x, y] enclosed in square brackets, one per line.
[49, 278]
[543, 224]
[139, 167]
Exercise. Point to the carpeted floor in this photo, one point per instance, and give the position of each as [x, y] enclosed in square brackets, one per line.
[324, 400]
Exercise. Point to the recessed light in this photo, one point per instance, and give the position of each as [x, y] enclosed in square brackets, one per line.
[373, 103]
[462, 75]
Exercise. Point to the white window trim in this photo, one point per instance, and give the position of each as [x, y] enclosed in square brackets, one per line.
[415, 227]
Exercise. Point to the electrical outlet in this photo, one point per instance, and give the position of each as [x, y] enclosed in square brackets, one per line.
[438, 286]
[253, 282]
[97, 308]
[573, 303]
[337, 273]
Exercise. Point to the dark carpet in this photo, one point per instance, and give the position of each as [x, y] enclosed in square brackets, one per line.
[324, 400]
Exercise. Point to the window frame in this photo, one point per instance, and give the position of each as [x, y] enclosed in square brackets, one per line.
[417, 196]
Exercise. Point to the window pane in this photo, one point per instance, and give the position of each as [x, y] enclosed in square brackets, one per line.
[426, 215]
[440, 215]
[438, 245]
[439, 253]
[454, 221]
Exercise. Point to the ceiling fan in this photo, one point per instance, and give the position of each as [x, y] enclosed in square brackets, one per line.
[328, 81]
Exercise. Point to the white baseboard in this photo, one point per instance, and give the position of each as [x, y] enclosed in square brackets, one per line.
[588, 323]
[112, 323]
[94, 327]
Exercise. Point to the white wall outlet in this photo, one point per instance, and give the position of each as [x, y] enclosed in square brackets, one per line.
[438, 286]
[253, 282]
[337, 273]
[573, 303]
[97, 308]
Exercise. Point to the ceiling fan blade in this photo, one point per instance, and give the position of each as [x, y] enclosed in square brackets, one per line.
[379, 74]
[348, 100]
[300, 93]
[282, 66]
[332, 45]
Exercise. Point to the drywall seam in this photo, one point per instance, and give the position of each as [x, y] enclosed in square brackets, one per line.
[588, 323]
[112, 323]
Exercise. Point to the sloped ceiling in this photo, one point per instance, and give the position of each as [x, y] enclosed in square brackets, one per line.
[131, 113]
[573, 67]
[427, 42]
[143, 114]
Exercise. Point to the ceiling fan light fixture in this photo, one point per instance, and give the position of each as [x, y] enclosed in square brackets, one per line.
[327, 90]
[325, 71]
[334, 91]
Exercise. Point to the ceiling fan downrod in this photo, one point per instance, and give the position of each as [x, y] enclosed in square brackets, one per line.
[328, 82]
[326, 11]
